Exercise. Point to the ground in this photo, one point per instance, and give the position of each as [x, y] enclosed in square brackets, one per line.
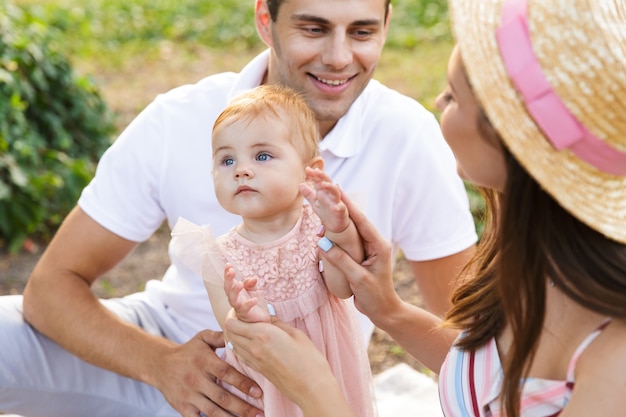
[150, 260]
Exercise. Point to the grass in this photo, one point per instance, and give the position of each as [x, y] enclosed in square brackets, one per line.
[419, 72]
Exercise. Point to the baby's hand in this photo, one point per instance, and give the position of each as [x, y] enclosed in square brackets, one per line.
[325, 198]
[249, 308]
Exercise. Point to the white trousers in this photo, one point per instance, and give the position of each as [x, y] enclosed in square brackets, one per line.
[40, 379]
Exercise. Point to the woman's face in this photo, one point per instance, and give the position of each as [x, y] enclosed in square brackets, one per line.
[479, 154]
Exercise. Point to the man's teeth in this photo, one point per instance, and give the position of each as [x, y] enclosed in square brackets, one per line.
[332, 82]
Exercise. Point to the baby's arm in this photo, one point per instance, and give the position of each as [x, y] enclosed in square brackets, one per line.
[219, 301]
[325, 199]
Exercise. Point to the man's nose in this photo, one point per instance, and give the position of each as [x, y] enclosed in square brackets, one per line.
[338, 51]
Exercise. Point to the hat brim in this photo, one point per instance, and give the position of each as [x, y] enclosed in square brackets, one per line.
[594, 197]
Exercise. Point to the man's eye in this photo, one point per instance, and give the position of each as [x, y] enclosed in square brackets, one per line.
[363, 33]
[314, 30]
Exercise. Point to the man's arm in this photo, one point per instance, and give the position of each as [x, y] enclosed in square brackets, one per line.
[435, 279]
[58, 302]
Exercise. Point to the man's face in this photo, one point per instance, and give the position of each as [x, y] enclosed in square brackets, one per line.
[326, 49]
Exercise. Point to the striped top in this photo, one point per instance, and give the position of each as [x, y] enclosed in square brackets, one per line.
[470, 384]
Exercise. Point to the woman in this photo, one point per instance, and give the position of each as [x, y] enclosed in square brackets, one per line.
[535, 116]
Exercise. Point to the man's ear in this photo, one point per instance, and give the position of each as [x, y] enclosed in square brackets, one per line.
[263, 20]
[317, 162]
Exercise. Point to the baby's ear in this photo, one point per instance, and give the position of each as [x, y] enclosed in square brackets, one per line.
[317, 162]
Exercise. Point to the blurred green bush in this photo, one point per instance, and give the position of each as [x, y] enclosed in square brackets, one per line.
[107, 24]
[54, 126]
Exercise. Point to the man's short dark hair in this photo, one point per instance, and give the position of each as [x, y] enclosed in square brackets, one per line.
[274, 6]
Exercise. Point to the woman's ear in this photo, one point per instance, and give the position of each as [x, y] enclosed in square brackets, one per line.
[263, 20]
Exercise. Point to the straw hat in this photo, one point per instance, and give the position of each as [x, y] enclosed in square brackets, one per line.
[548, 72]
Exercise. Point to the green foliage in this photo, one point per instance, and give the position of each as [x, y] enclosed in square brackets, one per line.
[414, 22]
[53, 127]
[105, 25]
[477, 206]
[397, 351]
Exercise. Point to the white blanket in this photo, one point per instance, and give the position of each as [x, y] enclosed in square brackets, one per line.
[401, 391]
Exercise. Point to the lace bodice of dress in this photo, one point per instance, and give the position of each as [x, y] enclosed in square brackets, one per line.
[285, 268]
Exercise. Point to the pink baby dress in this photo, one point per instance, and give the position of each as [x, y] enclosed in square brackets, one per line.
[289, 279]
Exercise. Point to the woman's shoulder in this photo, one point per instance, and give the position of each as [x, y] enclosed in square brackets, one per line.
[601, 375]
[606, 354]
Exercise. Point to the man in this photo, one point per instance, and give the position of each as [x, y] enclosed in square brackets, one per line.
[383, 148]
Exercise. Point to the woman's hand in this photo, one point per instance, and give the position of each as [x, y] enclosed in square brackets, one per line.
[371, 281]
[413, 328]
[288, 358]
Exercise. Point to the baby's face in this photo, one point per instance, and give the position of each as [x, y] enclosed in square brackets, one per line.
[256, 169]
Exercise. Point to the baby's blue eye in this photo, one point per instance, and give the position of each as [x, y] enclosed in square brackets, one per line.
[228, 161]
[263, 157]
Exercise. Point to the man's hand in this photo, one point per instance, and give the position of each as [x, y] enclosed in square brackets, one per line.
[187, 379]
[371, 281]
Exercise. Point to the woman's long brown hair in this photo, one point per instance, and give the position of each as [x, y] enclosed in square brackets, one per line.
[530, 239]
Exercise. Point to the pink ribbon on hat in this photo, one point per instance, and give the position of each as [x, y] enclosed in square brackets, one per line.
[555, 120]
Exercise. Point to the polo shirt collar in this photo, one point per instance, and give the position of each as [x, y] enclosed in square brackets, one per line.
[251, 75]
[346, 138]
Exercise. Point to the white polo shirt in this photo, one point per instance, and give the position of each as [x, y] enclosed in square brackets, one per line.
[387, 152]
